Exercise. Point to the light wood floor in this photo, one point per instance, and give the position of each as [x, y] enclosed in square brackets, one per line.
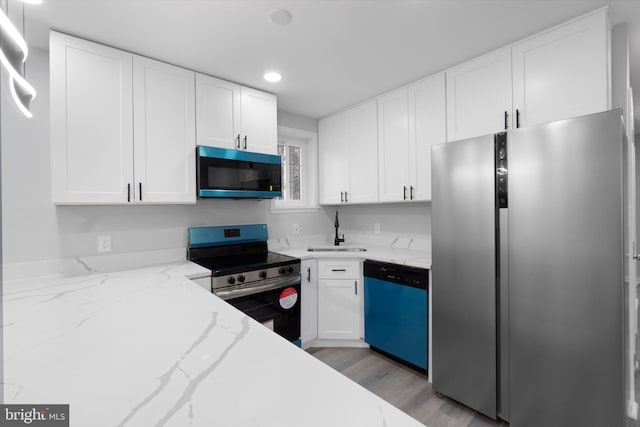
[403, 387]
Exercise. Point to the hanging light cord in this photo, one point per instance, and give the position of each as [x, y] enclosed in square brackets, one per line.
[13, 57]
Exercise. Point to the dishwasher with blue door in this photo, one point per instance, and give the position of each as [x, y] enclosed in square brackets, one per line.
[396, 311]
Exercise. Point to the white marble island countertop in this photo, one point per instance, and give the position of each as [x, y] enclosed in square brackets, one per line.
[148, 347]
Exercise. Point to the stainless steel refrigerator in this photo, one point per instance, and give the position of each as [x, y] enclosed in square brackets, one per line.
[527, 247]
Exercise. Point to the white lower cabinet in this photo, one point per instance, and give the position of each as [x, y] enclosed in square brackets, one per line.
[309, 303]
[340, 300]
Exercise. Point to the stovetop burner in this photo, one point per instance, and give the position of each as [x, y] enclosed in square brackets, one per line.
[225, 265]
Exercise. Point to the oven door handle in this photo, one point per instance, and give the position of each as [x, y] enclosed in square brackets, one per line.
[275, 283]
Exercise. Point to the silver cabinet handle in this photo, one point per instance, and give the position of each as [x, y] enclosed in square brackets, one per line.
[355, 286]
[346, 200]
[140, 190]
[338, 269]
[404, 192]
[309, 274]
[411, 192]
[245, 142]
[238, 141]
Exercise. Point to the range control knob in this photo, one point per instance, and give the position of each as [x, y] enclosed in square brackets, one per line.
[290, 269]
[262, 274]
[231, 280]
[241, 278]
[282, 270]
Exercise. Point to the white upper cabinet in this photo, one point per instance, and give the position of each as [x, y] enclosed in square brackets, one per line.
[410, 121]
[334, 158]
[91, 122]
[393, 146]
[560, 73]
[479, 96]
[427, 127]
[363, 154]
[122, 126]
[233, 116]
[563, 72]
[164, 132]
[259, 121]
[348, 155]
[217, 112]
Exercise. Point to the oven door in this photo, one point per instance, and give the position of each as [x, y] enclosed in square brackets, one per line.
[238, 174]
[278, 309]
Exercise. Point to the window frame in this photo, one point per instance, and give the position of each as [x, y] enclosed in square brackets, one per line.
[308, 143]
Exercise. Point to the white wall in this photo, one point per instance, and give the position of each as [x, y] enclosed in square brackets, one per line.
[33, 229]
[401, 219]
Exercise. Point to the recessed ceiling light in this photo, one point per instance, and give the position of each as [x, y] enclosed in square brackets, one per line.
[272, 76]
[279, 16]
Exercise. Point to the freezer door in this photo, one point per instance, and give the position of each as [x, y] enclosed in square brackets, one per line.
[566, 273]
[464, 272]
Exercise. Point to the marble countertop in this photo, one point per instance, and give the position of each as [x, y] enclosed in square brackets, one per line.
[149, 347]
[396, 250]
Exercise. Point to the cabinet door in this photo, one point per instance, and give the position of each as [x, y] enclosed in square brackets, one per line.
[363, 153]
[164, 148]
[338, 309]
[427, 127]
[91, 122]
[309, 307]
[564, 72]
[217, 112]
[393, 147]
[259, 122]
[479, 95]
[333, 158]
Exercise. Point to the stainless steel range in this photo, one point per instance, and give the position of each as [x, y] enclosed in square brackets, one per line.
[264, 285]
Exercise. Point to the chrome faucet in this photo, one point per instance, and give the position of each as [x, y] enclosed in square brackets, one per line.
[337, 240]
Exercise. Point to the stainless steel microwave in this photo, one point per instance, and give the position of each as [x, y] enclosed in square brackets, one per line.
[222, 172]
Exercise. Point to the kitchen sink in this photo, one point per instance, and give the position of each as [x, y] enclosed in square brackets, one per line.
[336, 249]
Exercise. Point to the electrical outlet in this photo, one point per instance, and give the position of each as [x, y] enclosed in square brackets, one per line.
[104, 243]
[296, 229]
[376, 228]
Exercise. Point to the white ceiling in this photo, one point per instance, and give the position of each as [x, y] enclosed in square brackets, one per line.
[333, 53]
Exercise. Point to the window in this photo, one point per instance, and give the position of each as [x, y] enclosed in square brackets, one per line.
[298, 172]
[291, 153]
